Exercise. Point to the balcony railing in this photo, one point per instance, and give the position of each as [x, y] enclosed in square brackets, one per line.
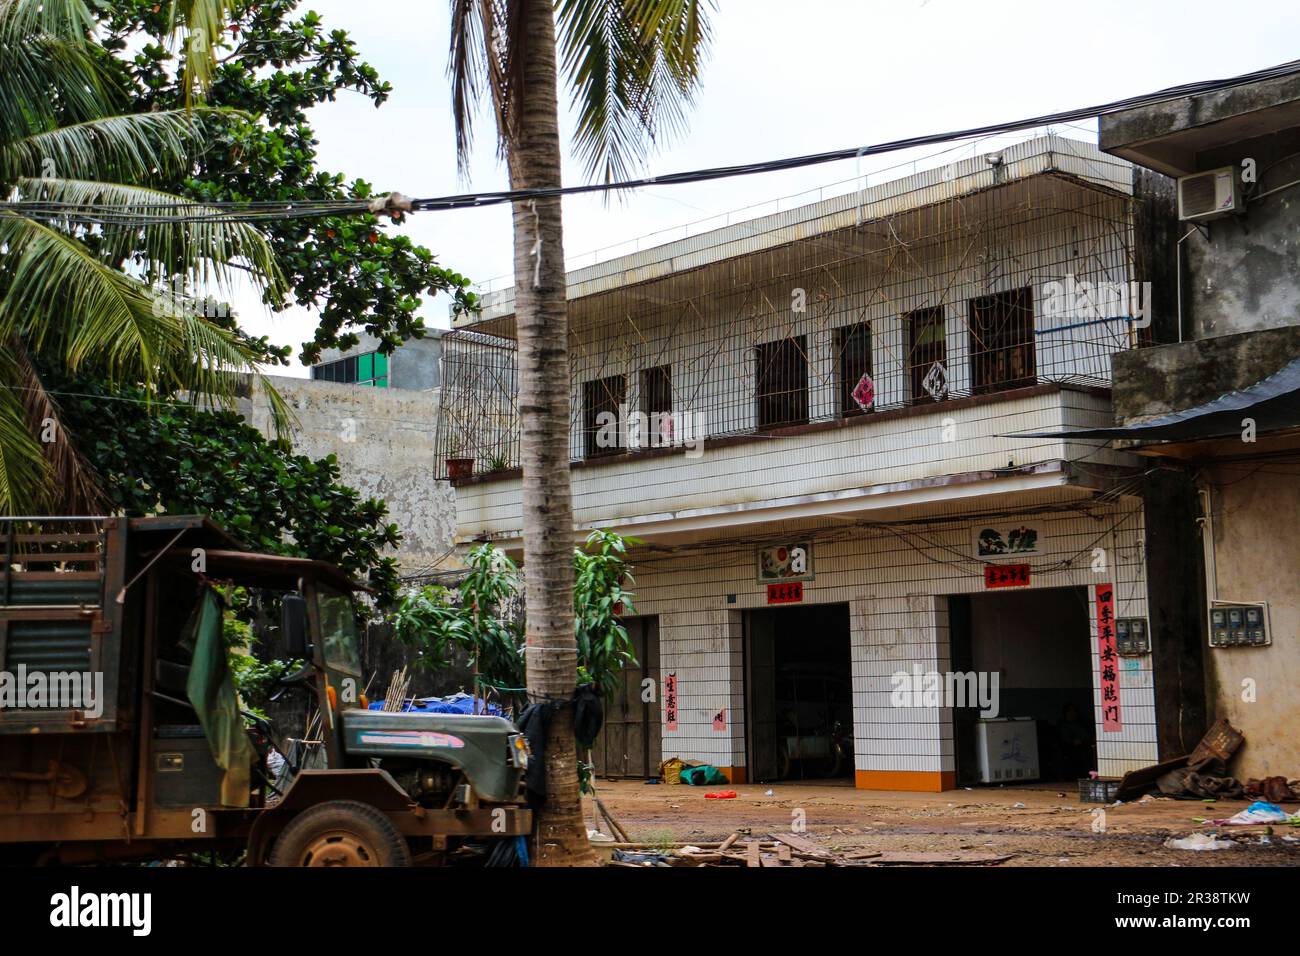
[1025, 284]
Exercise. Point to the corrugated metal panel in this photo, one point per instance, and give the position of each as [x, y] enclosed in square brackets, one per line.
[48, 646]
[46, 593]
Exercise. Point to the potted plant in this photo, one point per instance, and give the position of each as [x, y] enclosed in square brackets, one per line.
[458, 467]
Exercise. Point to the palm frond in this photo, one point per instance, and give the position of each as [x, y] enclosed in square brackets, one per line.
[46, 79]
[71, 484]
[24, 472]
[67, 19]
[632, 67]
[203, 250]
[467, 70]
[60, 299]
[203, 23]
[136, 147]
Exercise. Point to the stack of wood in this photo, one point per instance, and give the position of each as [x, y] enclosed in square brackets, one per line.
[395, 699]
[790, 849]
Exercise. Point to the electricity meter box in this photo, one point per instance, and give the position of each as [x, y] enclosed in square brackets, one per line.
[1239, 625]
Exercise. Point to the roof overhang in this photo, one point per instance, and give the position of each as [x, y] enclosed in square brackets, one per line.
[896, 501]
[1272, 405]
[265, 570]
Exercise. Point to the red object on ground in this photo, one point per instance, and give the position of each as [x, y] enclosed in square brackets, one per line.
[721, 795]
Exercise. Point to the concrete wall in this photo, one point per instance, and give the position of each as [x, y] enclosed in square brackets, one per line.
[383, 439]
[1256, 511]
[1244, 276]
[1155, 381]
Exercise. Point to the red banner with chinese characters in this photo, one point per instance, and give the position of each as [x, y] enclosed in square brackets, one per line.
[1107, 659]
[789, 593]
[670, 702]
[1006, 575]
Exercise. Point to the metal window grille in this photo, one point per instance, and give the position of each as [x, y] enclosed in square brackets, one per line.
[908, 301]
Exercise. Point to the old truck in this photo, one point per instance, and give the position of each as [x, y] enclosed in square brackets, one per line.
[121, 736]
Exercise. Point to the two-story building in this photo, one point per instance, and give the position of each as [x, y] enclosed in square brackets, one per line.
[814, 424]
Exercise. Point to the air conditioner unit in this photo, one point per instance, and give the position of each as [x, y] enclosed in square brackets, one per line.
[1210, 195]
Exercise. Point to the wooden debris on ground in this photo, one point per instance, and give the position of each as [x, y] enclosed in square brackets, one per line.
[793, 850]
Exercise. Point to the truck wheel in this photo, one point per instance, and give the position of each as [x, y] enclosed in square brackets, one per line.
[340, 833]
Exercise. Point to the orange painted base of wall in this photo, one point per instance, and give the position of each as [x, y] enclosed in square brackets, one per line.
[920, 780]
[734, 774]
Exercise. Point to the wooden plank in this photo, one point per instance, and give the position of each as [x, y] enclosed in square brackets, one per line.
[753, 854]
[803, 845]
[57, 557]
[727, 843]
[783, 853]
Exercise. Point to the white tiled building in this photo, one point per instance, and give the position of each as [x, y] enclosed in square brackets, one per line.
[859, 371]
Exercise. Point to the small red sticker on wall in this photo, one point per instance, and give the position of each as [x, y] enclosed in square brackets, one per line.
[670, 702]
[720, 720]
[1006, 575]
[789, 593]
[1108, 659]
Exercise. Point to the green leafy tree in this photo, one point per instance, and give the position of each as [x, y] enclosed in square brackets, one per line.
[168, 456]
[84, 298]
[480, 617]
[275, 64]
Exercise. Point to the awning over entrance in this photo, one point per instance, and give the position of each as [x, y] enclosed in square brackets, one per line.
[1273, 403]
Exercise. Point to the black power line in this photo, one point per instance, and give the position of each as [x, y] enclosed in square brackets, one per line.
[102, 214]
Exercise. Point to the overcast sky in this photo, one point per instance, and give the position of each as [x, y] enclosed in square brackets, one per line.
[784, 79]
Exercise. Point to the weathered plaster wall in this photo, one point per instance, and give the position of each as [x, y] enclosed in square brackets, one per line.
[383, 439]
[1155, 381]
[1244, 274]
[1257, 558]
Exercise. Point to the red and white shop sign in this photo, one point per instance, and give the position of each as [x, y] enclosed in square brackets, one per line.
[789, 593]
[1108, 659]
[1006, 575]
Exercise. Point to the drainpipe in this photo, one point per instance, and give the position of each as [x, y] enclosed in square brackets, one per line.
[1206, 522]
[1178, 278]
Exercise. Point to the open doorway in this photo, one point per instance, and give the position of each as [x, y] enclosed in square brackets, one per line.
[799, 693]
[1038, 644]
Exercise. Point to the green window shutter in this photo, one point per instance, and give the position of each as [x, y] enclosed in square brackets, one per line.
[365, 367]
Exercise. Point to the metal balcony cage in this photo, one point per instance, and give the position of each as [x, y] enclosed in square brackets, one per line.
[910, 302]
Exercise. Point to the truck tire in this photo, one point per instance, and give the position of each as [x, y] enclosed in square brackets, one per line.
[340, 833]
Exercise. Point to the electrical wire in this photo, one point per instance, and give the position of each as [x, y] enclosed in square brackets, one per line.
[254, 212]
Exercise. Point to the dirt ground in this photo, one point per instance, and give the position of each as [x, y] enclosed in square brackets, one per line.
[1052, 828]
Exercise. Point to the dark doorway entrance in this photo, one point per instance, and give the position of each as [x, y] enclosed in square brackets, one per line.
[799, 693]
[631, 742]
[1038, 643]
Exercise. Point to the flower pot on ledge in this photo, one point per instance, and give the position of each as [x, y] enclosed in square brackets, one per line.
[460, 468]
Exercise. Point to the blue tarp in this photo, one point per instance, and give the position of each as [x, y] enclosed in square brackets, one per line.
[453, 704]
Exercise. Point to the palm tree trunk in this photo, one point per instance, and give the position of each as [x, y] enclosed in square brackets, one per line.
[541, 312]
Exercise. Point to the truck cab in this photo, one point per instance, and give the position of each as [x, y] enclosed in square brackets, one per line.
[136, 746]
